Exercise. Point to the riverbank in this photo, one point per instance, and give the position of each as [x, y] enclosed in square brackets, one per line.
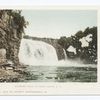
[12, 75]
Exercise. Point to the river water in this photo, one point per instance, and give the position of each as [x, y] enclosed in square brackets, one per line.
[43, 65]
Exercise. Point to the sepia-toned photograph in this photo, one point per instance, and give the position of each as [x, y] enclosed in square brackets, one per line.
[47, 45]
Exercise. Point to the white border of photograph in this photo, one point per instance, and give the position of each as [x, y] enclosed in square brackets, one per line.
[54, 88]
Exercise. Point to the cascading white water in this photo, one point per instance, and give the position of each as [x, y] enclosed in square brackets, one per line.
[43, 54]
[43, 61]
[65, 54]
[37, 53]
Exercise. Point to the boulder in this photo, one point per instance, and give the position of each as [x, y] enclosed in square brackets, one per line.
[2, 55]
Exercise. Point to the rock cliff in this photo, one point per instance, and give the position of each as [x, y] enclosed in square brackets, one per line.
[11, 28]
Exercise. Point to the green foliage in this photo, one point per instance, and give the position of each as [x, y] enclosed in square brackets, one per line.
[16, 20]
[79, 34]
[19, 20]
[64, 42]
[88, 54]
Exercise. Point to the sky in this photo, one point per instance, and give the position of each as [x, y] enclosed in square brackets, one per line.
[57, 23]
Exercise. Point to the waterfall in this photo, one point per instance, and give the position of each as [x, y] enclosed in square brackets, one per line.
[37, 53]
[65, 54]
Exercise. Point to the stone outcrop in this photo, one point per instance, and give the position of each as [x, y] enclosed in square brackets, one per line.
[53, 42]
[10, 34]
[2, 55]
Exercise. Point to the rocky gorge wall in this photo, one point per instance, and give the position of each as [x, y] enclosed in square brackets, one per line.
[11, 28]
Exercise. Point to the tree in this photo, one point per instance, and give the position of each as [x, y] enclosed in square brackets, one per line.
[88, 54]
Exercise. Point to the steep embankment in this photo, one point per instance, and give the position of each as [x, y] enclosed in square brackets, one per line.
[11, 28]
